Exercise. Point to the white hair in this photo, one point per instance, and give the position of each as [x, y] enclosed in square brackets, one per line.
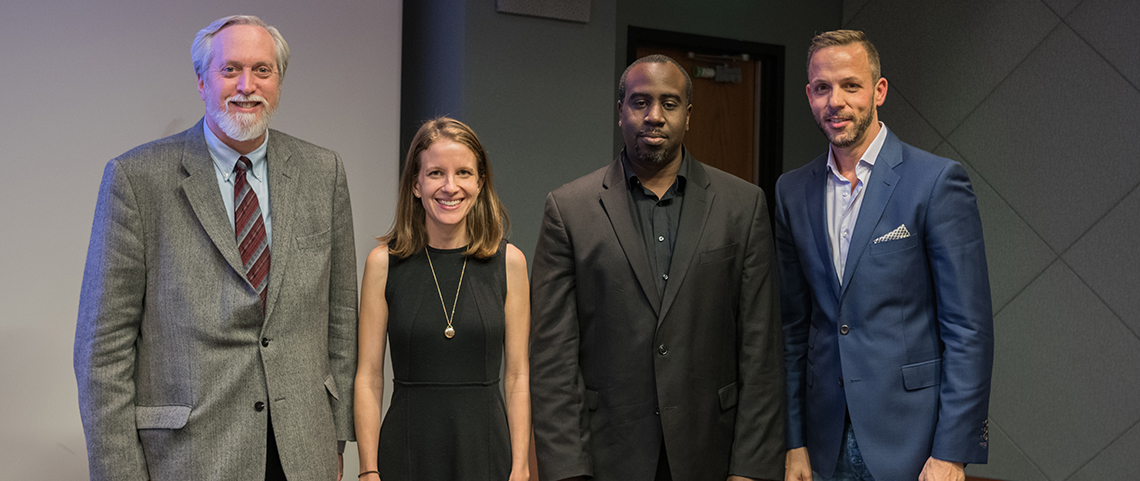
[201, 51]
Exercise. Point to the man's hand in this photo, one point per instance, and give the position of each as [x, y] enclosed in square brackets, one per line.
[339, 466]
[939, 470]
[797, 466]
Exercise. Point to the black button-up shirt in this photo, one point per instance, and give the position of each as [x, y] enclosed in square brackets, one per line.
[658, 219]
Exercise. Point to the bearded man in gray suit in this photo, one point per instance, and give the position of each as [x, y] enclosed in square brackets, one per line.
[214, 345]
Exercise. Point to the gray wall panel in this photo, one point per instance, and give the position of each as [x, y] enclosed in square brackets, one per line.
[538, 93]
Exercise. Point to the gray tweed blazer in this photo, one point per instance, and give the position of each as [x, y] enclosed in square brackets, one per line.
[178, 368]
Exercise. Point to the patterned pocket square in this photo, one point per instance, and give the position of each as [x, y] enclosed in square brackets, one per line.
[900, 232]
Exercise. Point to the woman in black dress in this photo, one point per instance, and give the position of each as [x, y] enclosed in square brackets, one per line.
[450, 296]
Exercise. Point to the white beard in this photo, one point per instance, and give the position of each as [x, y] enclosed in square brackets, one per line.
[243, 126]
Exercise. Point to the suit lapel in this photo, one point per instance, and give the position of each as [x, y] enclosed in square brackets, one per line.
[694, 212]
[201, 188]
[615, 202]
[815, 198]
[281, 185]
[880, 186]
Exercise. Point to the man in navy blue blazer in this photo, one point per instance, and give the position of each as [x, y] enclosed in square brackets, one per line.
[885, 295]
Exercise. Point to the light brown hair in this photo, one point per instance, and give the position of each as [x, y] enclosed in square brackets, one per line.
[487, 221]
[839, 38]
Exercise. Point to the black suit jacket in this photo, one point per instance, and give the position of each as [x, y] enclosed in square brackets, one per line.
[615, 369]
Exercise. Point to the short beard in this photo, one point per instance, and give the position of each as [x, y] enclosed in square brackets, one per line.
[244, 126]
[656, 157]
[856, 136]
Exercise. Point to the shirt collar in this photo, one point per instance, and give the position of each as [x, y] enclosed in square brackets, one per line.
[869, 156]
[225, 158]
[632, 181]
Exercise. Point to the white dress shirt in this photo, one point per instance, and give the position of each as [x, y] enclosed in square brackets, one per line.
[844, 201]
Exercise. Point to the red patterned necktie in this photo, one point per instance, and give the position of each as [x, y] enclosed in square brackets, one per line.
[249, 227]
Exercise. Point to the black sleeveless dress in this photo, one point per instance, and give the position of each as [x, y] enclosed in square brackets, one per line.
[447, 419]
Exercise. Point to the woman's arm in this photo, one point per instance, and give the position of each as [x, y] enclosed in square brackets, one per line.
[517, 382]
[373, 333]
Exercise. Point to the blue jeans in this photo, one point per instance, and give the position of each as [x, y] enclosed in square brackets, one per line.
[850, 466]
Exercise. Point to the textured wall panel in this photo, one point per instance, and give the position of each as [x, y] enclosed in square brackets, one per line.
[1015, 254]
[1106, 259]
[945, 55]
[572, 10]
[1110, 27]
[1065, 372]
[1057, 138]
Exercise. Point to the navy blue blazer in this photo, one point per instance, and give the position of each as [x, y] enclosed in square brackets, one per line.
[905, 342]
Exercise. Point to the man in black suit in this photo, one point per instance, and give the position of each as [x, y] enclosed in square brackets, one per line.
[656, 349]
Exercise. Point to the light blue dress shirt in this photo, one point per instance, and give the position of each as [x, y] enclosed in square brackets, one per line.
[843, 201]
[224, 160]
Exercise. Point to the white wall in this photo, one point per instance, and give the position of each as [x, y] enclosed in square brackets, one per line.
[82, 81]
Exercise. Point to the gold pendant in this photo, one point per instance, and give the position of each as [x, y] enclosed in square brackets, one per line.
[449, 332]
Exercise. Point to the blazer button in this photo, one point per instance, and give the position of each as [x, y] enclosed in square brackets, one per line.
[657, 411]
[265, 342]
[663, 349]
[840, 382]
[259, 406]
[844, 329]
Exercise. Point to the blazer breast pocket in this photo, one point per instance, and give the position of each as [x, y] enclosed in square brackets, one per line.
[719, 254]
[894, 245]
[314, 241]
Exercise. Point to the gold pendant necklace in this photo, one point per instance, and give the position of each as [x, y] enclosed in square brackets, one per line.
[450, 331]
